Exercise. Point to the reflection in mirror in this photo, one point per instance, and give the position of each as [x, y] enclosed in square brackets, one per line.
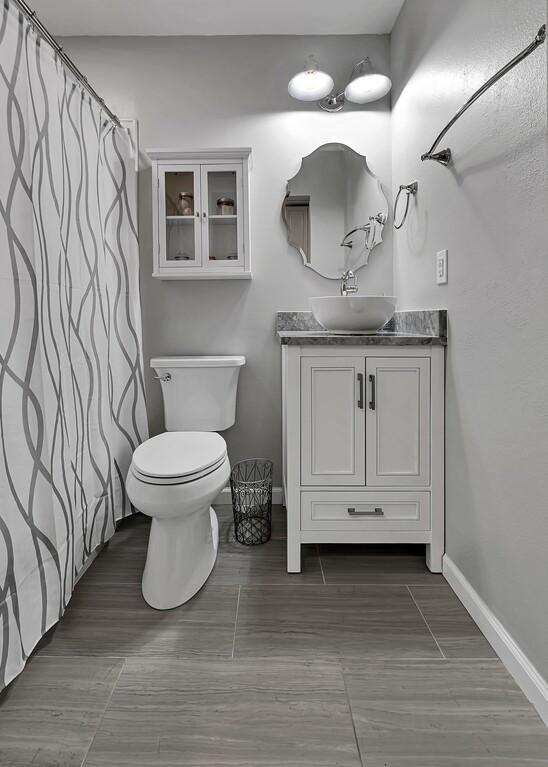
[334, 210]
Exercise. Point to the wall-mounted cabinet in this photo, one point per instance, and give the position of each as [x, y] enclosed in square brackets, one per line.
[201, 214]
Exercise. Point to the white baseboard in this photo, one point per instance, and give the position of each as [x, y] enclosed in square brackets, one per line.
[225, 497]
[533, 685]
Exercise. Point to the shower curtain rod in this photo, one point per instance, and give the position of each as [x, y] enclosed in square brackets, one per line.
[35, 21]
[444, 156]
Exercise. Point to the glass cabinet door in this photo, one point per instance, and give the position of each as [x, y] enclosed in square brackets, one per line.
[223, 216]
[180, 216]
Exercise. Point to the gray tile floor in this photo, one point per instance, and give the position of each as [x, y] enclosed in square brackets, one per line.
[365, 658]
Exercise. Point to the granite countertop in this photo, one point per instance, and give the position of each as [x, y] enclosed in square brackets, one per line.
[415, 328]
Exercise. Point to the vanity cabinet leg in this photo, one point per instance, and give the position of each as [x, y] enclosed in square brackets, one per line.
[293, 556]
[434, 555]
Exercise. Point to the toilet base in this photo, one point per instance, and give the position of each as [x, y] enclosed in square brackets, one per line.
[180, 557]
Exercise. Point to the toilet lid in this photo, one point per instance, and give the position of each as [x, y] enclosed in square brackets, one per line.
[179, 453]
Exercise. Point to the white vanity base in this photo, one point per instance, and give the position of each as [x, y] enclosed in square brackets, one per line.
[363, 446]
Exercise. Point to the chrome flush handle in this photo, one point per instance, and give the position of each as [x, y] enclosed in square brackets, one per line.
[166, 377]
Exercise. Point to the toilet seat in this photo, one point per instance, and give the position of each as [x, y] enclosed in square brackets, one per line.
[177, 480]
[178, 457]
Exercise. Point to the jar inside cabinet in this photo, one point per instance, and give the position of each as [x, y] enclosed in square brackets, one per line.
[201, 214]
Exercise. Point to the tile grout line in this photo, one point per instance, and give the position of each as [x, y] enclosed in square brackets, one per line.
[444, 657]
[103, 712]
[236, 620]
[330, 659]
[321, 565]
[76, 656]
[351, 715]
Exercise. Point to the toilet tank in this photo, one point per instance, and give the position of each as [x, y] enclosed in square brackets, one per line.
[199, 392]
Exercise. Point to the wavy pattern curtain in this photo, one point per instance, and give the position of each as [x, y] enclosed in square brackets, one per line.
[72, 403]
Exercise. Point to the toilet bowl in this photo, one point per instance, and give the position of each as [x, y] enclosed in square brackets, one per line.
[174, 477]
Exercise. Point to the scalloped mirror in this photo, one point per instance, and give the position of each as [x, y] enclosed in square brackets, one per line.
[334, 210]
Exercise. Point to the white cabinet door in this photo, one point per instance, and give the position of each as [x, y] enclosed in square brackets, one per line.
[222, 235]
[179, 216]
[332, 421]
[398, 421]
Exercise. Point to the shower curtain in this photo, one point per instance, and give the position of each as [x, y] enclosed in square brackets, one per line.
[72, 405]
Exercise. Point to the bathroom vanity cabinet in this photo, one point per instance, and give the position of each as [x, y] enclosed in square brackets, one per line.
[363, 445]
[201, 214]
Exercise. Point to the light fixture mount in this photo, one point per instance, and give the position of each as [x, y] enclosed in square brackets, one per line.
[333, 103]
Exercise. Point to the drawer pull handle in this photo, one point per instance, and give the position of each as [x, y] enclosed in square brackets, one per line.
[360, 385]
[372, 402]
[378, 512]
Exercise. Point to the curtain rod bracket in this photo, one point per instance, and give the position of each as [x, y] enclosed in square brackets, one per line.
[443, 156]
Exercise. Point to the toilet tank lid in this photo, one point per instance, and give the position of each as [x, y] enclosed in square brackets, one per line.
[197, 362]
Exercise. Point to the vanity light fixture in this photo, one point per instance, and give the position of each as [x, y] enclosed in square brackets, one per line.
[311, 84]
[366, 84]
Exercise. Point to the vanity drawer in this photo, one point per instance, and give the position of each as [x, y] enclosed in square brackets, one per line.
[365, 510]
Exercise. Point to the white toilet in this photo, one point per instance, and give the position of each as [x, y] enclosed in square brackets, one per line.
[174, 477]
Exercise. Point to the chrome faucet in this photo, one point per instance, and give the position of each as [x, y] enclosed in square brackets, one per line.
[349, 283]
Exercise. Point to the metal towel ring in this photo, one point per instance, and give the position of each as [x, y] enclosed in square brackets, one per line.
[409, 189]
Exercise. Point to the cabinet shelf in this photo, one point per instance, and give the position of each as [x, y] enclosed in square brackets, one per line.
[205, 274]
[190, 219]
[223, 220]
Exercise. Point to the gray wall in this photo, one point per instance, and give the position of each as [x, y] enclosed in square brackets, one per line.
[490, 211]
[232, 91]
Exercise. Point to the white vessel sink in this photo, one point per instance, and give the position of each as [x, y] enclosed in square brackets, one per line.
[353, 314]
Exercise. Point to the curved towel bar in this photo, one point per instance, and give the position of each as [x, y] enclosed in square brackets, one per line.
[444, 155]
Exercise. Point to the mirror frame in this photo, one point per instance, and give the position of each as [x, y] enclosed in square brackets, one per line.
[366, 168]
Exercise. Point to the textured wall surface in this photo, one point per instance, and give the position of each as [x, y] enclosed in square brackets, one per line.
[490, 211]
[215, 92]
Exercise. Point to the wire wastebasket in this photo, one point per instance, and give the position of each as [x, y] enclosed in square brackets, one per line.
[251, 487]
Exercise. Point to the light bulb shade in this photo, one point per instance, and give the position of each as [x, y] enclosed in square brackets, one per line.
[310, 85]
[366, 84]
